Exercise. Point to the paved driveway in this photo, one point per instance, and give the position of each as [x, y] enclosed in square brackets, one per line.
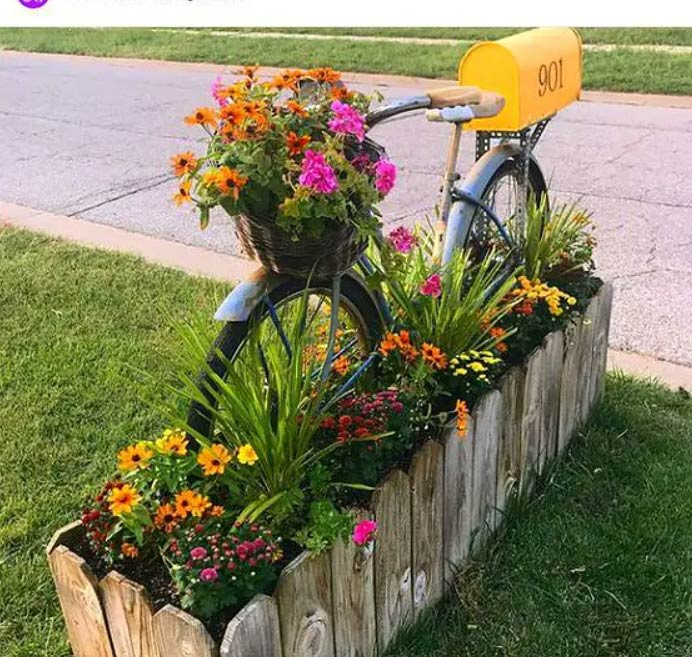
[91, 138]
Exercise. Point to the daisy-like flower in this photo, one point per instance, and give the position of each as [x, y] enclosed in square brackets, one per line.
[247, 455]
[183, 194]
[462, 411]
[190, 502]
[214, 460]
[230, 181]
[166, 518]
[183, 163]
[341, 365]
[434, 356]
[123, 499]
[296, 143]
[287, 79]
[173, 441]
[231, 115]
[296, 108]
[217, 511]
[204, 116]
[325, 75]
[134, 457]
[129, 550]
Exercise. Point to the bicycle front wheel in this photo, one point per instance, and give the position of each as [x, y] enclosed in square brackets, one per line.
[357, 332]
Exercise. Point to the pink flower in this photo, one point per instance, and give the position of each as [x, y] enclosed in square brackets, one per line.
[198, 553]
[209, 575]
[385, 176]
[432, 286]
[364, 532]
[402, 239]
[317, 175]
[216, 87]
[347, 120]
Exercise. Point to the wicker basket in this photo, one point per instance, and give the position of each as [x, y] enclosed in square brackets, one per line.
[333, 252]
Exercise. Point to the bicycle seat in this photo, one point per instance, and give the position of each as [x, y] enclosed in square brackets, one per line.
[454, 96]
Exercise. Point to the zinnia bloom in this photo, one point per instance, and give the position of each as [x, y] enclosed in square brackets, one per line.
[173, 441]
[385, 176]
[165, 518]
[402, 239]
[190, 502]
[364, 532]
[317, 175]
[325, 75]
[434, 356]
[217, 511]
[230, 181]
[134, 457]
[123, 499]
[214, 460]
[288, 79]
[204, 116]
[183, 163]
[462, 418]
[128, 550]
[247, 455]
[432, 286]
[347, 120]
[296, 143]
[296, 108]
[183, 195]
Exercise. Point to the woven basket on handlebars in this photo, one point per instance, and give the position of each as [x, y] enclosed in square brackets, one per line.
[333, 252]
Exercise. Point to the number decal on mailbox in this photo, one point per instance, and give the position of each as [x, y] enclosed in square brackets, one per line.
[550, 77]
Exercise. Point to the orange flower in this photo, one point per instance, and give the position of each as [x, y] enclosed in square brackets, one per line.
[183, 163]
[296, 144]
[248, 71]
[499, 333]
[123, 499]
[340, 365]
[251, 129]
[129, 550]
[400, 342]
[183, 195]
[204, 116]
[217, 511]
[388, 344]
[433, 356]
[166, 518]
[255, 111]
[325, 74]
[340, 93]
[134, 457]
[214, 460]
[173, 441]
[296, 108]
[288, 79]
[462, 418]
[234, 92]
[190, 502]
[233, 114]
[230, 181]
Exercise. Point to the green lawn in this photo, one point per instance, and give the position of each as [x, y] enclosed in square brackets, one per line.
[600, 564]
[72, 321]
[619, 70]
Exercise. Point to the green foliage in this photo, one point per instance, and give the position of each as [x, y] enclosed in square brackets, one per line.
[558, 244]
[324, 526]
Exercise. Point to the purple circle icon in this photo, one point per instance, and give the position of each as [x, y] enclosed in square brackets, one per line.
[33, 4]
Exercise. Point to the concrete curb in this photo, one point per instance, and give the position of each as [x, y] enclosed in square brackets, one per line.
[372, 79]
[212, 264]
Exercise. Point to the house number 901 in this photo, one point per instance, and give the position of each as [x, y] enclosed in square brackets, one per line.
[550, 77]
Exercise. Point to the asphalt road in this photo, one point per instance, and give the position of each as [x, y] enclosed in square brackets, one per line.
[92, 138]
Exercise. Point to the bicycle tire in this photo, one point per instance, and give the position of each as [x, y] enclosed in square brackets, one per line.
[229, 342]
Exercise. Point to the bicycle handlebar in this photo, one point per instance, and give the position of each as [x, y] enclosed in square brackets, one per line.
[397, 107]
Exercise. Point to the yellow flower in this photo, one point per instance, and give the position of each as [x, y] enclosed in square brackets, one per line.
[247, 455]
[214, 459]
[123, 499]
[134, 457]
[478, 367]
[192, 503]
[173, 441]
[166, 518]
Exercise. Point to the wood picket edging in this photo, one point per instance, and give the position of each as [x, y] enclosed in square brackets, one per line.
[351, 602]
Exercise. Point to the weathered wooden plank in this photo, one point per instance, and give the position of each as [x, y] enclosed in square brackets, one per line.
[304, 596]
[586, 343]
[393, 586]
[129, 615]
[178, 634]
[254, 630]
[458, 494]
[532, 419]
[427, 497]
[69, 536]
[81, 608]
[600, 345]
[509, 446]
[553, 346]
[353, 581]
[570, 385]
[488, 421]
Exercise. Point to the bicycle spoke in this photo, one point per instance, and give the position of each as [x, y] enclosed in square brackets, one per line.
[277, 323]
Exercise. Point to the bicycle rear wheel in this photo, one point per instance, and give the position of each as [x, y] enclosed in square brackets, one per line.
[357, 334]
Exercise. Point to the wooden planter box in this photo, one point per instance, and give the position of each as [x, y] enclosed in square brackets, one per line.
[347, 603]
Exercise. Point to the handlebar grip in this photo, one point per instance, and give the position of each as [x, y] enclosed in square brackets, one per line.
[457, 114]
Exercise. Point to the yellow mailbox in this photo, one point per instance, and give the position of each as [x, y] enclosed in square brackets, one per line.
[538, 72]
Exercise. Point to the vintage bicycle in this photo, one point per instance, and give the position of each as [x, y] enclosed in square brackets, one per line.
[508, 92]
